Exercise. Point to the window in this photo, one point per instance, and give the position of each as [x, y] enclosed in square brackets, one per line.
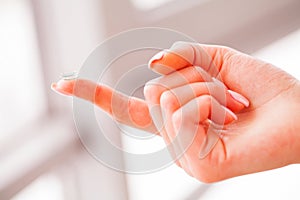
[46, 187]
[21, 87]
[149, 4]
[284, 53]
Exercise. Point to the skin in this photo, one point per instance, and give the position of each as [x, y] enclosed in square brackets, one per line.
[266, 134]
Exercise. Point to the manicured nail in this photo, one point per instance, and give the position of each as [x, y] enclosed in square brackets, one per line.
[231, 113]
[156, 114]
[238, 97]
[156, 57]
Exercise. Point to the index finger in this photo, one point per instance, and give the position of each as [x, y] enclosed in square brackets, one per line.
[130, 111]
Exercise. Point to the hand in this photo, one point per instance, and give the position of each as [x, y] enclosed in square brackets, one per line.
[266, 134]
[255, 143]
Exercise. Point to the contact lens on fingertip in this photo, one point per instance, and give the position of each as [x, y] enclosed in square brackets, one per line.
[69, 75]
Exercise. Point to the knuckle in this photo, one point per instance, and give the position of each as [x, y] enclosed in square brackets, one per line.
[202, 104]
[152, 92]
[200, 72]
[205, 100]
[194, 73]
[226, 49]
[148, 91]
[177, 119]
[168, 100]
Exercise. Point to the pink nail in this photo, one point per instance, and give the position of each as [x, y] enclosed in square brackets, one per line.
[231, 113]
[238, 97]
[156, 57]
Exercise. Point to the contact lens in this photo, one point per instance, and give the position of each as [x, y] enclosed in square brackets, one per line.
[69, 75]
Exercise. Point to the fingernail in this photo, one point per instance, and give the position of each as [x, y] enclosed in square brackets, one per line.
[231, 113]
[238, 97]
[156, 114]
[156, 57]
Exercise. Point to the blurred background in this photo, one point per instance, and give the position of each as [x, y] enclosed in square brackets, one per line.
[40, 154]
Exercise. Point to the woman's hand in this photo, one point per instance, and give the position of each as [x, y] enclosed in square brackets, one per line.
[265, 134]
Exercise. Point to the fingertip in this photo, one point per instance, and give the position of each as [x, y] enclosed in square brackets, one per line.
[167, 61]
[239, 98]
[155, 58]
[53, 86]
[231, 114]
[63, 87]
[158, 65]
[56, 90]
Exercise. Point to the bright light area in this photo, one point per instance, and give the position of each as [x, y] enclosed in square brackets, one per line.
[148, 4]
[276, 184]
[284, 54]
[20, 78]
[140, 142]
[46, 187]
[171, 183]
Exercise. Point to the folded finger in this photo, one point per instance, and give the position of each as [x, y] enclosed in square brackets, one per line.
[177, 97]
[154, 88]
[189, 123]
[184, 54]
